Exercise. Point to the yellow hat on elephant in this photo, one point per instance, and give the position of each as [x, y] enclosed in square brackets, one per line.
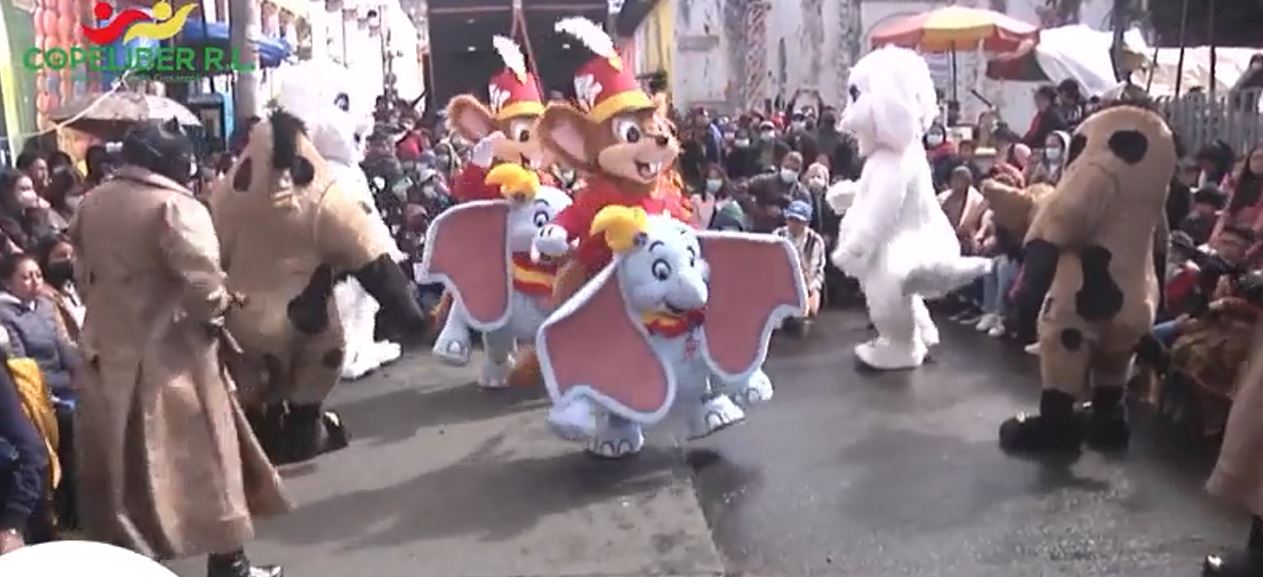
[622, 225]
[514, 181]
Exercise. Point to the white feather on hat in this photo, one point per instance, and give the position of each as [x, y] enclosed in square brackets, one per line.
[589, 33]
[511, 54]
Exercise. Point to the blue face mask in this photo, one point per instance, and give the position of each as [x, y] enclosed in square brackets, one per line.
[713, 185]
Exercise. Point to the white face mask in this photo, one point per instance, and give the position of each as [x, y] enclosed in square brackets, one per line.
[1052, 154]
[742, 142]
[933, 140]
[713, 185]
[769, 135]
[788, 176]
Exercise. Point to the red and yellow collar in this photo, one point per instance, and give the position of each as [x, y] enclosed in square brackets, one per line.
[531, 277]
[672, 325]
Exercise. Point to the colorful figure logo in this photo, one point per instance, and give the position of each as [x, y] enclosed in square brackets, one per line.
[164, 23]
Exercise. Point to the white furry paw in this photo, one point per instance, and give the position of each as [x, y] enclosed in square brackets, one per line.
[757, 389]
[847, 260]
[551, 241]
[886, 355]
[358, 366]
[841, 195]
[574, 420]
[713, 416]
[385, 352]
[495, 375]
[484, 152]
[615, 441]
[452, 351]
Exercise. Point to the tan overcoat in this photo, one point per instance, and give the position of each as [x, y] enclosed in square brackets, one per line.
[1238, 476]
[168, 466]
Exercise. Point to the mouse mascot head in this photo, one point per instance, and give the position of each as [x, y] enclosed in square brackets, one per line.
[615, 134]
[893, 101]
[503, 129]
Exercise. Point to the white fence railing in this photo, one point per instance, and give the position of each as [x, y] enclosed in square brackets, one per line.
[1235, 118]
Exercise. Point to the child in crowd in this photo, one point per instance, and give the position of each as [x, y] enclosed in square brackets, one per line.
[1208, 201]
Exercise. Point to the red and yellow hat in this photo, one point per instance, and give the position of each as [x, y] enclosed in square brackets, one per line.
[513, 92]
[604, 87]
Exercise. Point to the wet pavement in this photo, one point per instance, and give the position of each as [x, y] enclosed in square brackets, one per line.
[849, 472]
[845, 472]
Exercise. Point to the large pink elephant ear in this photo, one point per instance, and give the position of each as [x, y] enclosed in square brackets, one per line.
[467, 249]
[755, 283]
[593, 346]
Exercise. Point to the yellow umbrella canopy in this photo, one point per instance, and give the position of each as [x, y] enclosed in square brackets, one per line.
[956, 28]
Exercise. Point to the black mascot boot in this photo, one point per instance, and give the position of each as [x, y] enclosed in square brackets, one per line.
[268, 423]
[1106, 420]
[310, 432]
[1248, 563]
[1054, 429]
[238, 565]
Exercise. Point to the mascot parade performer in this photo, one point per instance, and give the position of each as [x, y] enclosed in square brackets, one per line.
[481, 251]
[676, 313]
[287, 230]
[1090, 249]
[333, 133]
[1238, 476]
[894, 238]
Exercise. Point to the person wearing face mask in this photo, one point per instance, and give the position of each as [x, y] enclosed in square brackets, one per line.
[742, 162]
[1052, 159]
[57, 260]
[19, 209]
[705, 201]
[771, 147]
[941, 153]
[767, 195]
[802, 136]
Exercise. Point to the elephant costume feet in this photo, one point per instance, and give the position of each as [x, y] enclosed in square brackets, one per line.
[886, 355]
[617, 438]
[311, 432]
[452, 351]
[757, 389]
[495, 375]
[574, 420]
[714, 415]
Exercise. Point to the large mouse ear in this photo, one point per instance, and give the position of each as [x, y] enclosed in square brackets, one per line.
[469, 118]
[634, 383]
[740, 314]
[564, 132]
[467, 249]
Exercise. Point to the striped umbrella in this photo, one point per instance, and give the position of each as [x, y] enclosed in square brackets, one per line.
[955, 27]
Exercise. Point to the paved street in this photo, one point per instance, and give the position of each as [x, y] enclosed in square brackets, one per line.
[844, 473]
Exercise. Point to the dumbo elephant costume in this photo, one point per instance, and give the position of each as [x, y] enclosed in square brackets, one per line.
[677, 312]
[481, 250]
[894, 238]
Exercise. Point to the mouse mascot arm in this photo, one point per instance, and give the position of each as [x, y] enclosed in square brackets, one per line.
[481, 251]
[674, 316]
[1091, 246]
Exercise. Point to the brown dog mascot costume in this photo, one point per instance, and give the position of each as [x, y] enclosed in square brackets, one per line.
[620, 145]
[1091, 246]
[1238, 476]
[287, 232]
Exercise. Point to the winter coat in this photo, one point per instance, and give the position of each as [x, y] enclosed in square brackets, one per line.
[23, 459]
[168, 464]
[33, 333]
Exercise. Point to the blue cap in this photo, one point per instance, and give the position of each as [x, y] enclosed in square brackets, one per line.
[799, 210]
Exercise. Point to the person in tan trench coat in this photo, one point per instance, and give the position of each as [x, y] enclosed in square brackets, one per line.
[169, 467]
[1238, 476]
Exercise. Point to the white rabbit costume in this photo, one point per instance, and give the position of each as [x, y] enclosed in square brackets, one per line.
[894, 238]
[333, 133]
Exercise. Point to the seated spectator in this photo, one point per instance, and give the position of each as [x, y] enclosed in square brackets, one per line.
[1245, 195]
[1231, 247]
[24, 468]
[35, 166]
[20, 212]
[63, 185]
[1047, 119]
[964, 207]
[1201, 220]
[706, 201]
[57, 260]
[766, 196]
[1051, 159]
[941, 153]
[811, 249]
[31, 323]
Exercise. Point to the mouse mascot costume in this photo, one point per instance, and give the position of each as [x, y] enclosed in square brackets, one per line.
[288, 231]
[620, 145]
[1238, 476]
[1090, 247]
[481, 250]
[333, 132]
[675, 317]
[894, 238]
